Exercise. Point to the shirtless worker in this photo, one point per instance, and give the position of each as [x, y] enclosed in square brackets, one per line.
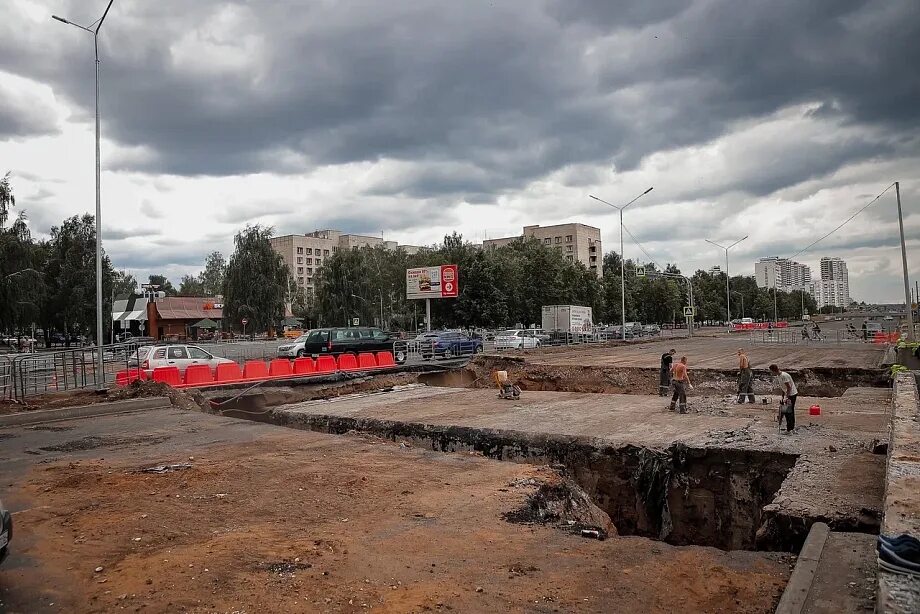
[680, 379]
[664, 376]
[745, 378]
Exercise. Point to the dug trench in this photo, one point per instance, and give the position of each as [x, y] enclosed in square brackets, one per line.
[816, 381]
[681, 495]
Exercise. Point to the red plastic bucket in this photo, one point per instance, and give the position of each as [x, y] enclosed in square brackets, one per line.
[814, 410]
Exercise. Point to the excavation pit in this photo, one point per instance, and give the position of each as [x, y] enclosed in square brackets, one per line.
[709, 478]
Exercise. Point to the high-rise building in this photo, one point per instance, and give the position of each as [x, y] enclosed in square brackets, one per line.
[834, 287]
[304, 254]
[715, 270]
[783, 274]
[576, 242]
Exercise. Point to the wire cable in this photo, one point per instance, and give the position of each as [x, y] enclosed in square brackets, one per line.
[847, 221]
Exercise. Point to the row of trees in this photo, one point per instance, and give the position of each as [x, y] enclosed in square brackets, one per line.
[52, 283]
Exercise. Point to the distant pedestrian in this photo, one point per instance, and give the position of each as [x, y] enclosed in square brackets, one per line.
[789, 394]
[805, 336]
[745, 378]
[680, 380]
[865, 331]
[664, 375]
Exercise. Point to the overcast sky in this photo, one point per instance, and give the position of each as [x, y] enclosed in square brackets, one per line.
[776, 119]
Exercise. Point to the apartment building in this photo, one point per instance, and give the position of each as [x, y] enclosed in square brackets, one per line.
[576, 242]
[783, 274]
[834, 287]
[304, 254]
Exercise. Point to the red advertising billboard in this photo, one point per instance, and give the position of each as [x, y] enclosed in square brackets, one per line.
[433, 282]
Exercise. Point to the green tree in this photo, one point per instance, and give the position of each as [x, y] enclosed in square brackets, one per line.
[124, 284]
[212, 277]
[190, 285]
[70, 278]
[256, 286]
[165, 286]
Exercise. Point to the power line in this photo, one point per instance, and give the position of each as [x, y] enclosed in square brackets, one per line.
[847, 221]
[641, 247]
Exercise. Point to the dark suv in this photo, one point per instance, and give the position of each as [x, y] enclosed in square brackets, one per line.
[349, 340]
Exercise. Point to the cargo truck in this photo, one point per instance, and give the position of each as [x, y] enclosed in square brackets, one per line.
[567, 319]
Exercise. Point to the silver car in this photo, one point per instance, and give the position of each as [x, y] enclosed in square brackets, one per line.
[180, 356]
[294, 348]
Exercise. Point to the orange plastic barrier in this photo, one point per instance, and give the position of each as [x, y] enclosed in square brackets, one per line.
[123, 378]
[366, 360]
[228, 372]
[325, 364]
[196, 375]
[255, 369]
[385, 359]
[279, 367]
[348, 362]
[167, 375]
[304, 366]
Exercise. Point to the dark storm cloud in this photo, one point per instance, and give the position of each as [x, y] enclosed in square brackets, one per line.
[512, 90]
[23, 114]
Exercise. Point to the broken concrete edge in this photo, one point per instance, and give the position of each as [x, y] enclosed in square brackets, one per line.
[83, 411]
[901, 593]
[803, 575]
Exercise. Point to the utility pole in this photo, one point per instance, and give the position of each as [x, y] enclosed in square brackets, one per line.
[728, 299]
[100, 365]
[622, 258]
[910, 312]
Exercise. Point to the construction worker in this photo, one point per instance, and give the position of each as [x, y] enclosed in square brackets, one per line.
[788, 396]
[745, 378]
[664, 375]
[680, 380]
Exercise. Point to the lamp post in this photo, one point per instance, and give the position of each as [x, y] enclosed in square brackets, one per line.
[100, 365]
[622, 258]
[728, 300]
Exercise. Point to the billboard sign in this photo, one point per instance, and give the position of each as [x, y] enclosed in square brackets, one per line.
[432, 282]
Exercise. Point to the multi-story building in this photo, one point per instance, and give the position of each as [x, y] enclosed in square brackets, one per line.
[783, 274]
[715, 270]
[576, 242]
[304, 254]
[834, 287]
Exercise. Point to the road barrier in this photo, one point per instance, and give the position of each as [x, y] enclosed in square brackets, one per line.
[795, 337]
[197, 376]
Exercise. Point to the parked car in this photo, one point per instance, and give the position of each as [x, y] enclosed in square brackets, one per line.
[616, 332]
[874, 327]
[294, 348]
[889, 318]
[448, 345]
[517, 339]
[180, 356]
[350, 340]
[651, 330]
[636, 328]
[6, 532]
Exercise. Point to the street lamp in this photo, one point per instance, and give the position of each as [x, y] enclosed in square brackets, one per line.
[622, 258]
[728, 300]
[95, 32]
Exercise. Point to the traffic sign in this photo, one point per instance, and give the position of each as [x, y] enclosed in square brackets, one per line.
[640, 271]
[244, 321]
[688, 312]
[355, 321]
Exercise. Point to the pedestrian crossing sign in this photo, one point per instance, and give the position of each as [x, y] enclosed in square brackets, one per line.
[640, 271]
[688, 312]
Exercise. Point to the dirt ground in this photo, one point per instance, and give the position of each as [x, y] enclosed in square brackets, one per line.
[268, 519]
[716, 353]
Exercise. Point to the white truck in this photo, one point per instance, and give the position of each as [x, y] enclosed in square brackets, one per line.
[567, 319]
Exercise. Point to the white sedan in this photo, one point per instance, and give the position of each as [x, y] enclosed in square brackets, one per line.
[517, 340]
[180, 356]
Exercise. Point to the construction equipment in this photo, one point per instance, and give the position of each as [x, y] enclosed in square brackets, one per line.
[506, 390]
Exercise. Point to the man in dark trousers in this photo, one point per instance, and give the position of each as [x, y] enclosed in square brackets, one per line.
[680, 379]
[789, 394]
[664, 377]
[745, 378]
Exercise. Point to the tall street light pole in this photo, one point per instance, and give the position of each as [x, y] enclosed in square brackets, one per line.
[910, 313]
[100, 365]
[728, 298]
[622, 258]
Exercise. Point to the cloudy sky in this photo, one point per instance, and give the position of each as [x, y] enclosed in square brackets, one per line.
[774, 118]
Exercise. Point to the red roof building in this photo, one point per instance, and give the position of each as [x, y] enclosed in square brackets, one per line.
[183, 317]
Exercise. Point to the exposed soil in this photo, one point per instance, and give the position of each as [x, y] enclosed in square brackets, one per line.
[302, 522]
[186, 399]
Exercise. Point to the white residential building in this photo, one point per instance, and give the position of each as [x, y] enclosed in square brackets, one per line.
[834, 287]
[576, 242]
[783, 274]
